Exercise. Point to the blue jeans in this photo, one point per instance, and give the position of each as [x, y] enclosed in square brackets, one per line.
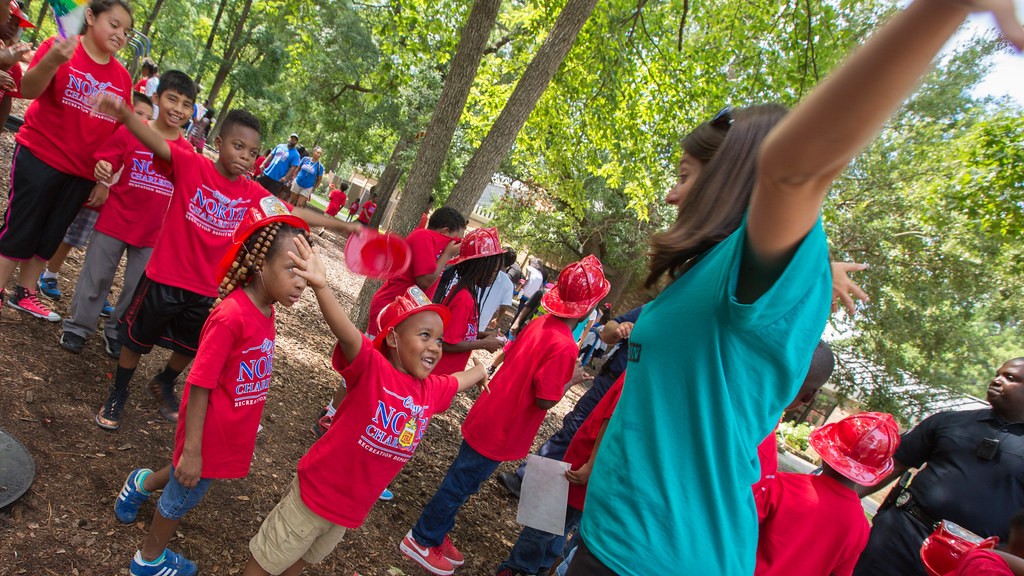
[176, 500]
[557, 445]
[468, 472]
[535, 551]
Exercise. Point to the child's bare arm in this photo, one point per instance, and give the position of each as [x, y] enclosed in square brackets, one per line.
[475, 376]
[107, 104]
[38, 77]
[314, 218]
[310, 266]
[190, 466]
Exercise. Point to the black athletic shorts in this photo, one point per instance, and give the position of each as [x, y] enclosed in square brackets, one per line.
[272, 186]
[42, 203]
[165, 316]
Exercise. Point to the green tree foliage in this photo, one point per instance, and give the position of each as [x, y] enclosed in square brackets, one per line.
[936, 207]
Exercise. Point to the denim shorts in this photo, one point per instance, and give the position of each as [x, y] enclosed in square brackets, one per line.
[177, 500]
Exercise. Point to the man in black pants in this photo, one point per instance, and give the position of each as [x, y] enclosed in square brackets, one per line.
[615, 332]
[974, 477]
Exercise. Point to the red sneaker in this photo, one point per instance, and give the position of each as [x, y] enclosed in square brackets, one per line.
[29, 302]
[429, 558]
[449, 551]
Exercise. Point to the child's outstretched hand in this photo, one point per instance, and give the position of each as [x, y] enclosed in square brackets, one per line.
[308, 264]
[107, 104]
[482, 384]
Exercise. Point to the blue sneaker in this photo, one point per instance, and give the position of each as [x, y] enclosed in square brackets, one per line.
[107, 309]
[170, 564]
[126, 507]
[48, 287]
[386, 496]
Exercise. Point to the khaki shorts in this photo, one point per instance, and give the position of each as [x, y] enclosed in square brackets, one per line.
[291, 532]
[296, 189]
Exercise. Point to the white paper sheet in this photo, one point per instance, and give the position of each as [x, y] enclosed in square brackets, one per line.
[544, 495]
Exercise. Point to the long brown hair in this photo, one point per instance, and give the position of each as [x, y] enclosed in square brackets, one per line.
[715, 205]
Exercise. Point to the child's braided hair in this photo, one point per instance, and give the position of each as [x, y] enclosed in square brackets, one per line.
[255, 250]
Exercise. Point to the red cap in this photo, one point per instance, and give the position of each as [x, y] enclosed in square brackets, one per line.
[860, 447]
[412, 302]
[945, 549]
[370, 253]
[267, 211]
[23, 21]
[479, 243]
[580, 286]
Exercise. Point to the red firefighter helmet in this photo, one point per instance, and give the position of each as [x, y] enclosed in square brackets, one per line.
[944, 550]
[479, 243]
[377, 255]
[580, 286]
[860, 447]
[267, 211]
[413, 301]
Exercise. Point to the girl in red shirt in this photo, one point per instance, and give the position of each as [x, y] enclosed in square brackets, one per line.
[461, 290]
[228, 385]
[51, 176]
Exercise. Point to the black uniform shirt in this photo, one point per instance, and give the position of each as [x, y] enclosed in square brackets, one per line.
[960, 485]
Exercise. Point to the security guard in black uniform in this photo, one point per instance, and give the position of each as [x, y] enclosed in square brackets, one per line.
[973, 475]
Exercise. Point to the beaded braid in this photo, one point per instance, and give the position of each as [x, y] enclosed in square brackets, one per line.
[248, 261]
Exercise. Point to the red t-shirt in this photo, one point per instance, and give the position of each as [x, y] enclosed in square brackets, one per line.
[809, 525]
[982, 563]
[423, 221]
[135, 208]
[768, 456]
[369, 207]
[337, 198]
[374, 433]
[426, 247]
[462, 327]
[582, 445]
[257, 167]
[234, 360]
[140, 86]
[59, 128]
[204, 211]
[503, 423]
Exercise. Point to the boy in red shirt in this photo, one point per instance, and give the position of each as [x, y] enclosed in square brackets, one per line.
[503, 422]
[535, 550]
[131, 217]
[177, 289]
[392, 395]
[431, 250]
[337, 200]
[815, 525]
[368, 209]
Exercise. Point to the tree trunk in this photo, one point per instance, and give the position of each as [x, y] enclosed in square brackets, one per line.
[388, 182]
[502, 135]
[44, 8]
[200, 66]
[220, 115]
[228, 61]
[152, 17]
[430, 157]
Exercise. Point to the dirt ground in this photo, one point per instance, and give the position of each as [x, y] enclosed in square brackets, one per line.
[65, 523]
